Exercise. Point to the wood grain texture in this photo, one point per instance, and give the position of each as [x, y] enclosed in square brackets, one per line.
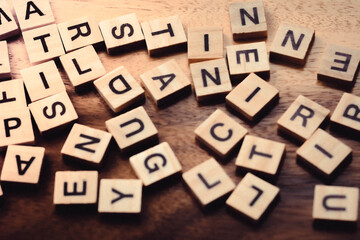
[169, 211]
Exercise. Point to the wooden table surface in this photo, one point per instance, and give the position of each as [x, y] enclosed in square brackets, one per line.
[169, 211]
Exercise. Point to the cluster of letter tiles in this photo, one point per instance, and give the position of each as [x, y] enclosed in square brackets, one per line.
[212, 77]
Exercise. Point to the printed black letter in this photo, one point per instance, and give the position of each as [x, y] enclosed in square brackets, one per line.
[221, 139]
[8, 127]
[20, 162]
[79, 33]
[122, 31]
[346, 62]
[135, 120]
[208, 186]
[53, 108]
[244, 13]
[93, 140]
[329, 208]
[36, 10]
[155, 167]
[355, 115]
[290, 34]
[304, 117]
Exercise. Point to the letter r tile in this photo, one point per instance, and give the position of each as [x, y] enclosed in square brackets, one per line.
[208, 181]
[260, 155]
[302, 118]
[132, 130]
[336, 203]
[75, 187]
[155, 164]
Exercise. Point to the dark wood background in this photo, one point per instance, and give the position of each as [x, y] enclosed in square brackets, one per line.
[169, 211]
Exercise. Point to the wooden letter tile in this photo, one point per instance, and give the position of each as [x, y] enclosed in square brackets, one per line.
[292, 43]
[119, 89]
[8, 26]
[210, 79]
[33, 14]
[16, 128]
[252, 97]
[43, 44]
[339, 64]
[22, 164]
[208, 181]
[260, 155]
[132, 129]
[86, 144]
[336, 203]
[323, 152]
[302, 118]
[42, 80]
[155, 164]
[166, 83]
[75, 187]
[347, 113]
[248, 20]
[12, 95]
[82, 66]
[252, 197]
[205, 43]
[121, 33]
[5, 71]
[80, 32]
[220, 133]
[53, 112]
[164, 34]
[244, 59]
[120, 196]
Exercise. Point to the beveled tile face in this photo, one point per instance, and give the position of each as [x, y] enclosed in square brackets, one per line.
[8, 26]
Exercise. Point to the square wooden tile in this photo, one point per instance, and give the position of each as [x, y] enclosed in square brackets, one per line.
[22, 164]
[43, 44]
[5, 71]
[132, 129]
[260, 155]
[42, 80]
[205, 43]
[75, 187]
[248, 58]
[12, 95]
[336, 203]
[252, 97]
[323, 152]
[33, 14]
[211, 79]
[8, 25]
[346, 113]
[208, 181]
[302, 118]
[119, 89]
[166, 82]
[339, 64]
[292, 43]
[163, 34]
[82, 66]
[248, 20]
[79, 32]
[53, 112]
[155, 164]
[121, 32]
[252, 197]
[86, 144]
[16, 128]
[120, 196]
[220, 133]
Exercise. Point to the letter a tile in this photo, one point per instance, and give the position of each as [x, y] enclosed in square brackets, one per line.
[133, 129]
[260, 155]
[292, 43]
[208, 181]
[347, 113]
[166, 82]
[119, 89]
[335, 203]
[252, 197]
[75, 187]
[323, 152]
[8, 26]
[164, 34]
[248, 58]
[86, 144]
[155, 164]
[220, 133]
[302, 118]
[120, 196]
[22, 164]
